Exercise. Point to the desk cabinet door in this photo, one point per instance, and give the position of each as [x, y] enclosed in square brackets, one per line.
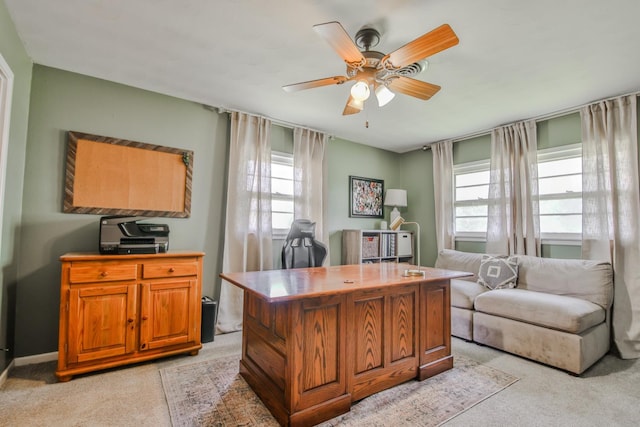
[102, 321]
[170, 313]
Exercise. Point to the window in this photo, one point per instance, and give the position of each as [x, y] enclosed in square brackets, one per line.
[471, 182]
[559, 187]
[281, 193]
[560, 190]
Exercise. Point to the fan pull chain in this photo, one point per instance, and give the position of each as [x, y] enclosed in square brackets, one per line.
[366, 117]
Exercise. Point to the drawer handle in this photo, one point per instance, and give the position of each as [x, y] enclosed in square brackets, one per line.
[130, 320]
[145, 317]
[171, 269]
[104, 274]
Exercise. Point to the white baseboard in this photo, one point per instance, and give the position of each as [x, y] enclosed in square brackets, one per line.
[36, 358]
[5, 373]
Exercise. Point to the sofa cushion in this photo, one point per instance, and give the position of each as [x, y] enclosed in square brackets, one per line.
[498, 272]
[464, 293]
[573, 315]
[589, 280]
[450, 259]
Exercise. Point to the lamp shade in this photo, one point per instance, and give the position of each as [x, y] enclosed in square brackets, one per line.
[395, 197]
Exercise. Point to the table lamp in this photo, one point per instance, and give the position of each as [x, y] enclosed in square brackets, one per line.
[396, 198]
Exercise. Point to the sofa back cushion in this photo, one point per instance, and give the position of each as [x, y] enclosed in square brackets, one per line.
[450, 259]
[589, 280]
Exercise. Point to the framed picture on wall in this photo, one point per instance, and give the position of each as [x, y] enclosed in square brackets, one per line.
[365, 197]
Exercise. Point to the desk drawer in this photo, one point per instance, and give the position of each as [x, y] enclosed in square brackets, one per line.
[102, 273]
[169, 269]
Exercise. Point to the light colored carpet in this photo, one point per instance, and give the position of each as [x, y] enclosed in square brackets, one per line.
[606, 395]
[213, 393]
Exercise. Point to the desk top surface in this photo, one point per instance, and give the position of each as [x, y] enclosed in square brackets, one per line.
[282, 285]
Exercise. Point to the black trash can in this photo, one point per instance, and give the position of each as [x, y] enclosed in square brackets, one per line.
[209, 315]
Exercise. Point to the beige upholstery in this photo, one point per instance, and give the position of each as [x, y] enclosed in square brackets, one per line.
[567, 314]
[558, 314]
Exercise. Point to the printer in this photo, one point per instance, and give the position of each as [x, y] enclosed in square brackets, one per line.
[125, 235]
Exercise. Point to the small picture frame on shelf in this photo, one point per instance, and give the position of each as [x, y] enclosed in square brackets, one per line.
[366, 197]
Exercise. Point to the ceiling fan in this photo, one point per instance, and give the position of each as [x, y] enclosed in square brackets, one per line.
[386, 74]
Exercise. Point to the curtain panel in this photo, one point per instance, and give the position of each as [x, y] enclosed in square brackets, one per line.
[611, 208]
[443, 194]
[310, 181]
[248, 236]
[513, 206]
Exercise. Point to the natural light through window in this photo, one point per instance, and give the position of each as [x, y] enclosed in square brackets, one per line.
[560, 189]
[281, 192]
[471, 193]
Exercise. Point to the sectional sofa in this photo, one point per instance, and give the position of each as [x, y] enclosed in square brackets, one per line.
[554, 311]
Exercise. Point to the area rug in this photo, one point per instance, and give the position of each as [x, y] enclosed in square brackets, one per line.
[212, 393]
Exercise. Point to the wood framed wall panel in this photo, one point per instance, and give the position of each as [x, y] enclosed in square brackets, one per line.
[111, 176]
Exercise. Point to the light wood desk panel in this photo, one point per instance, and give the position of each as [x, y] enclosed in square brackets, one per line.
[317, 339]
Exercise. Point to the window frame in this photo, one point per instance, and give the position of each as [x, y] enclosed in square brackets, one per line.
[282, 158]
[561, 152]
[466, 168]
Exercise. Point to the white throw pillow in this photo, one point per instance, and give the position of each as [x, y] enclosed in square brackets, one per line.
[498, 272]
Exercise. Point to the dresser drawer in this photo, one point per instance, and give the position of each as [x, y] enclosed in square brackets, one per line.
[169, 269]
[102, 273]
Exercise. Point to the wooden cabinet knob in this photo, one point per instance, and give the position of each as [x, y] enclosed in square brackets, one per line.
[171, 270]
[145, 317]
[130, 320]
[104, 274]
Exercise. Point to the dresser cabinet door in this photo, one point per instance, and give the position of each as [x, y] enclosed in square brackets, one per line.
[102, 321]
[170, 312]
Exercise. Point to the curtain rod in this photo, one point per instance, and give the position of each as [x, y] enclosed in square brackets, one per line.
[277, 122]
[548, 116]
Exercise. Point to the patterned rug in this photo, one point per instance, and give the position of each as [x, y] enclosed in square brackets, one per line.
[212, 393]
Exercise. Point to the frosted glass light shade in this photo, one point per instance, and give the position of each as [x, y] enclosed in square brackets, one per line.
[384, 95]
[360, 91]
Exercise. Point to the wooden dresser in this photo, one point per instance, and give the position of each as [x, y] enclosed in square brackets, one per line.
[122, 309]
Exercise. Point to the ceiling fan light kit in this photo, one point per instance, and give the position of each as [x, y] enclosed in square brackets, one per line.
[386, 74]
[360, 90]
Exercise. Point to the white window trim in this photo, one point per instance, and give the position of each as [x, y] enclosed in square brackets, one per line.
[287, 159]
[6, 96]
[464, 168]
[560, 153]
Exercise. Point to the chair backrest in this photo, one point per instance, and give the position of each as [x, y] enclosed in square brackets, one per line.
[300, 248]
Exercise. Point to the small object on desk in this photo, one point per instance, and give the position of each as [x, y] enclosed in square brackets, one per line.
[348, 281]
[408, 273]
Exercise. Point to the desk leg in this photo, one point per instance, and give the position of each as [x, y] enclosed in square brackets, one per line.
[435, 329]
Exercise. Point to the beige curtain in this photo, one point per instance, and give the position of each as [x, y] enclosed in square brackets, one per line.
[310, 181]
[443, 193]
[513, 216]
[611, 208]
[247, 243]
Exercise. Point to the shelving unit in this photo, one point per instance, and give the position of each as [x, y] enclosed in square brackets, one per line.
[372, 246]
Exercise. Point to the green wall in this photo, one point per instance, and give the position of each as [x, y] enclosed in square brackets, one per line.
[347, 158]
[417, 178]
[16, 57]
[63, 101]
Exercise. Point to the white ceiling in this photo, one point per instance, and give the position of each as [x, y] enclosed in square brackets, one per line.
[516, 59]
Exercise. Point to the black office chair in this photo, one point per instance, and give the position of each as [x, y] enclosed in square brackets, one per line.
[300, 248]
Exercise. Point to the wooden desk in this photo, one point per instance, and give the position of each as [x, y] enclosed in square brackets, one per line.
[316, 339]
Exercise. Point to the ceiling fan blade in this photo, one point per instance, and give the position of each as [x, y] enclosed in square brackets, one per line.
[413, 87]
[339, 39]
[337, 80]
[424, 46]
[352, 106]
